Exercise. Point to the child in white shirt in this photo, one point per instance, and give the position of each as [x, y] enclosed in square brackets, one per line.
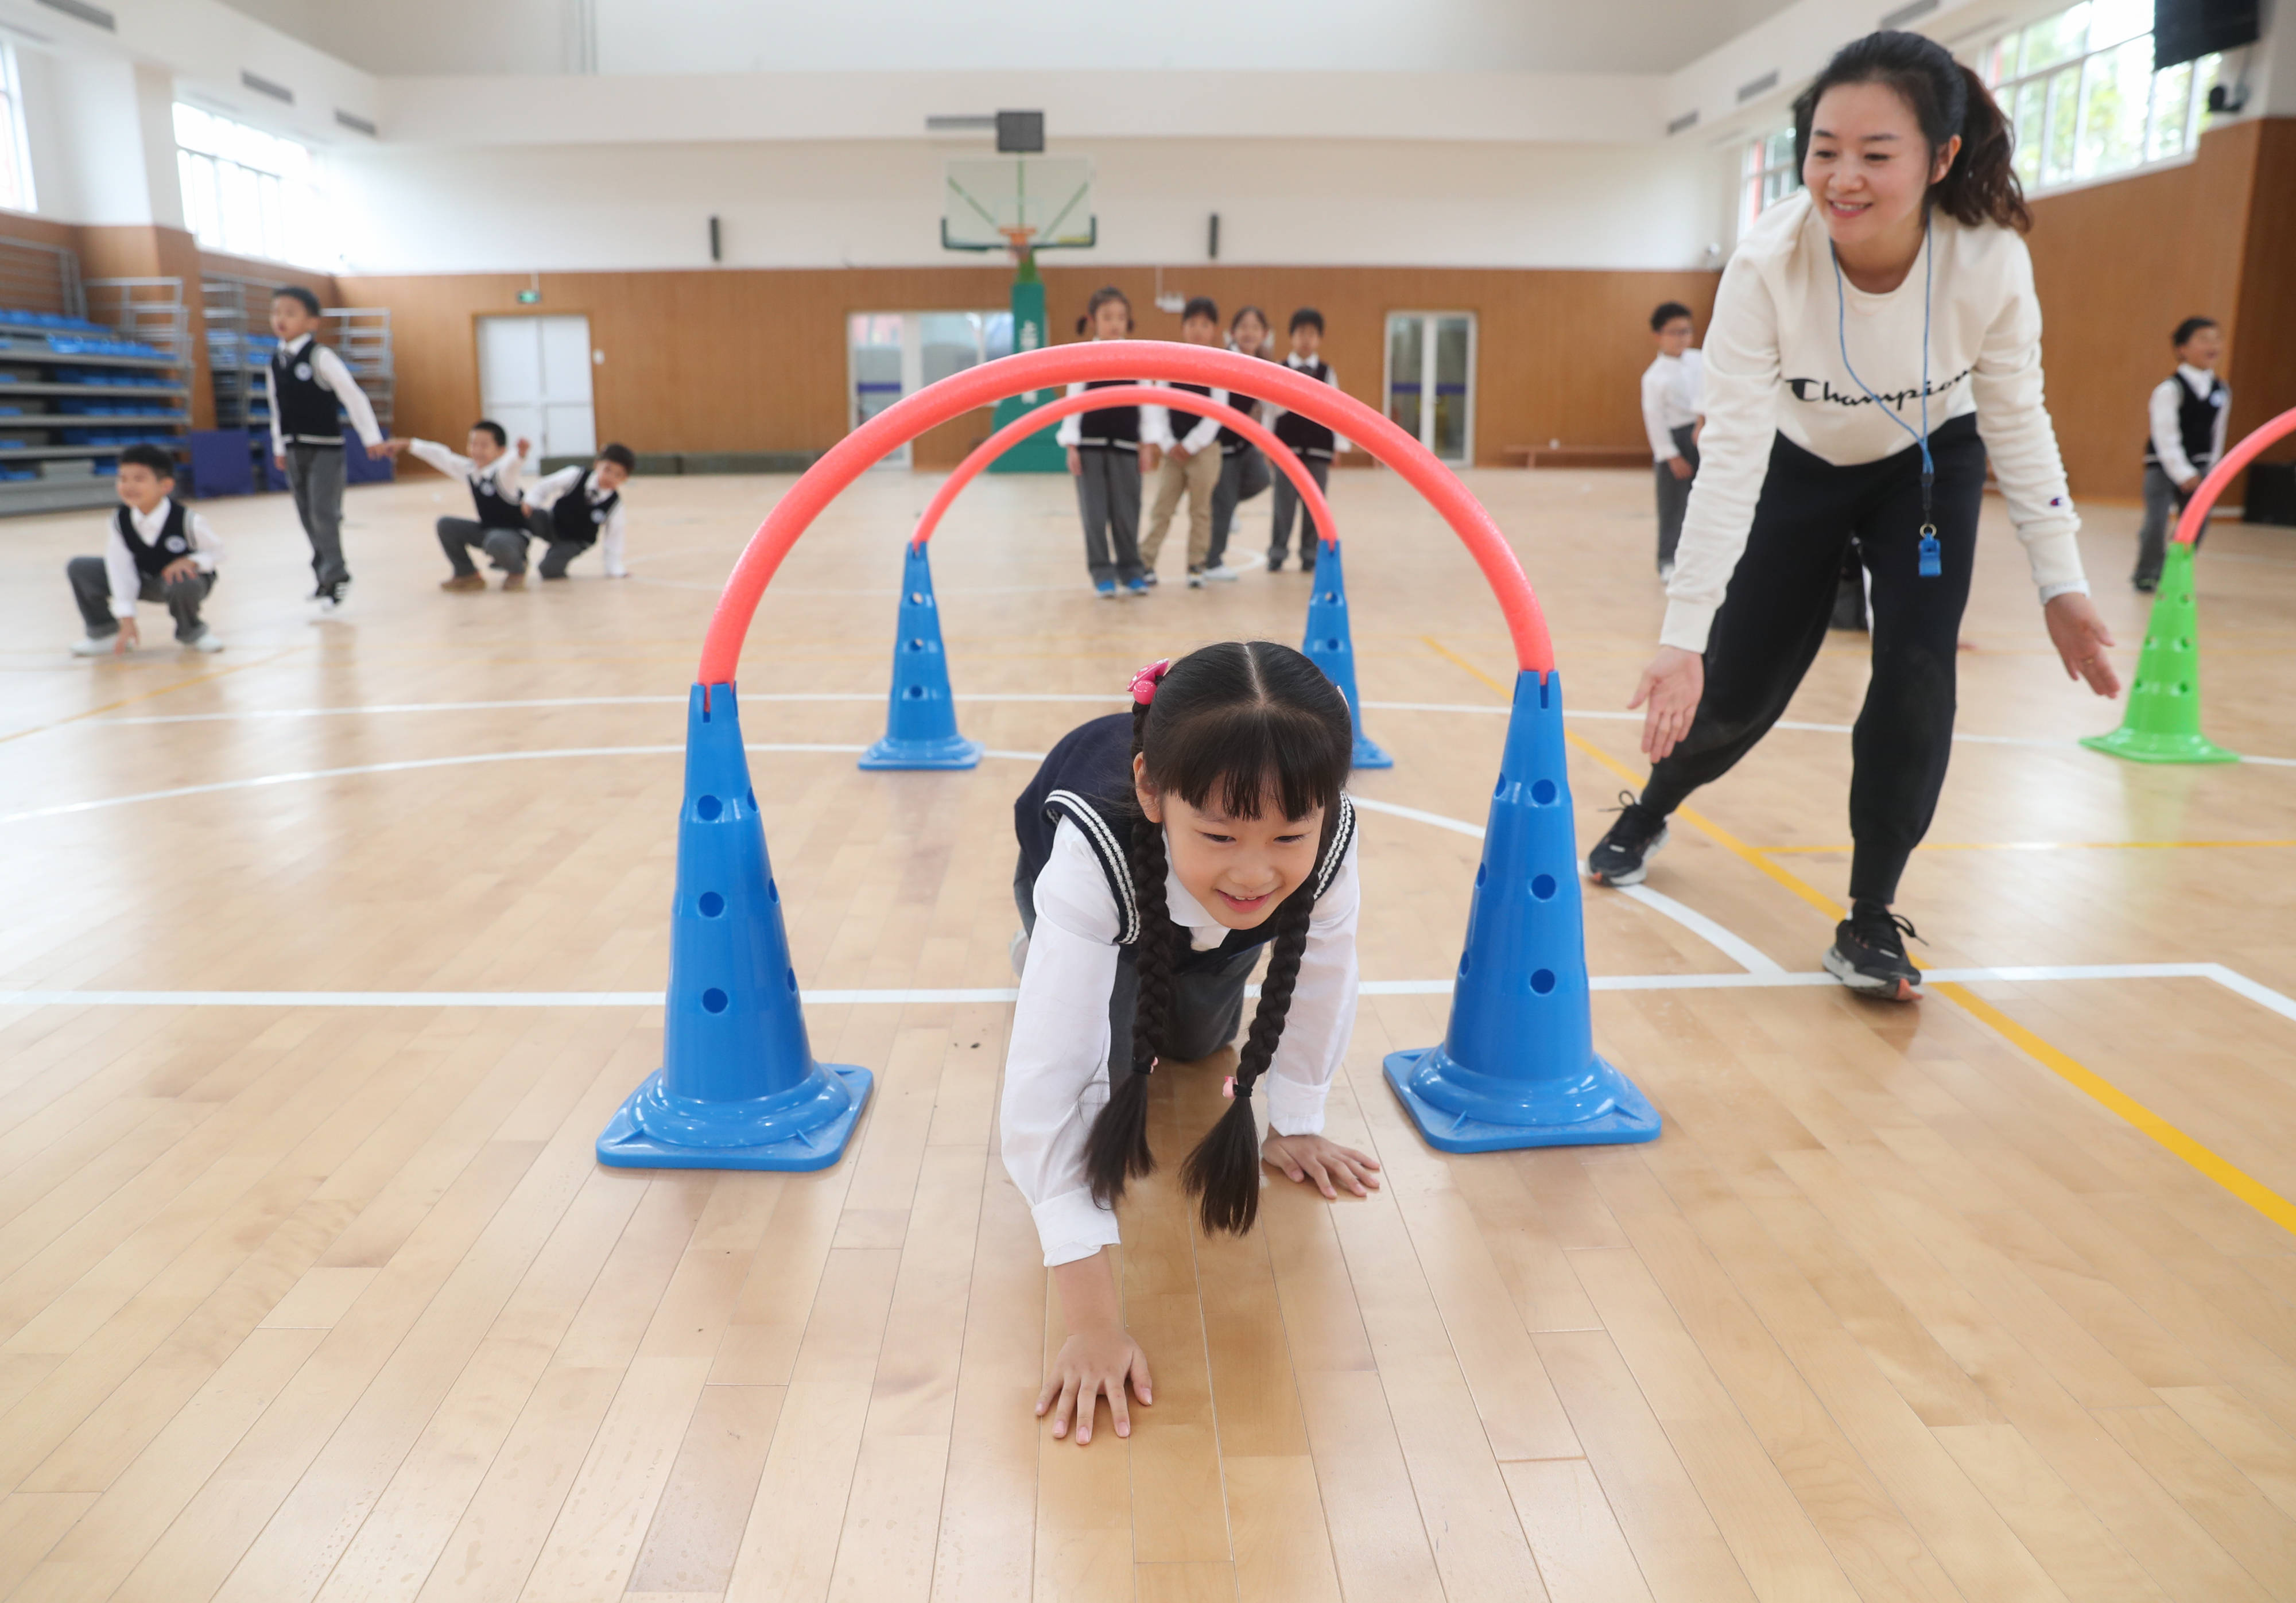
[1670, 392]
[159, 550]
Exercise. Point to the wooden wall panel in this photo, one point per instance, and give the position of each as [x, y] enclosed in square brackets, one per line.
[756, 360]
[2118, 266]
[2265, 323]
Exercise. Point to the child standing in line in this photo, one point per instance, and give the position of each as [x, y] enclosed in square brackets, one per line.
[1670, 391]
[575, 508]
[1243, 470]
[305, 382]
[500, 530]
[1190, 448]
[1160, 852]
[1107, 456]
[1309, 440]
[2188, 414]
[159, 550]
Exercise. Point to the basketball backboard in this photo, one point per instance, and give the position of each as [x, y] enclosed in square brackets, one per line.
[1017, 203]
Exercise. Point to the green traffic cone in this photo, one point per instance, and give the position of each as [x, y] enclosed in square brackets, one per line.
[2163, 724]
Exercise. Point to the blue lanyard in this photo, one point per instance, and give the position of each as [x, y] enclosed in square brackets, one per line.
[1931, 567]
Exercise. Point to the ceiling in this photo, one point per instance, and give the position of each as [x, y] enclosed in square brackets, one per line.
[432, 38]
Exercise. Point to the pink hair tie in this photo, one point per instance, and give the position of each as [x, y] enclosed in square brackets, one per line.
[1144, 682]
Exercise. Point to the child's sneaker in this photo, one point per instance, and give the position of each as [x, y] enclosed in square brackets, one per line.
[331, 597]
[1150, 579]
[1618, 858]
[207, 640]
[1220, 573]
[1868, 954]
[1138, 587]
[1106, 588]
[1195, 578]
[513, 581]
[464, 581]
[94, 645]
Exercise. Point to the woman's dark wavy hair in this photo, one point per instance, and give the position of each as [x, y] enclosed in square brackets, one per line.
[1945, 98]
[1238, 727]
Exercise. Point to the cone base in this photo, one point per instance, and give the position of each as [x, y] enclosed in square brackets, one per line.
[1629, 1118]
[1369, 755]
[2144, 746]
[626, 1144]
[954, 753]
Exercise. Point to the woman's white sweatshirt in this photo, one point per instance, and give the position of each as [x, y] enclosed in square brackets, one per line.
[1773, 366]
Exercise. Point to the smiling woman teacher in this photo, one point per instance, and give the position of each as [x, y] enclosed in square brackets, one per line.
[1875, 337]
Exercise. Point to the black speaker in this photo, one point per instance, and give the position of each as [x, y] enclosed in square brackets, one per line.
[1020, 133]
[2271, 495]
[2184, 31]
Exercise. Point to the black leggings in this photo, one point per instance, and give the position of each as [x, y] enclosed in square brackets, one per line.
[1774, 618]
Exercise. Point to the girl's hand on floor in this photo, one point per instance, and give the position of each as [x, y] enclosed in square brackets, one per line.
[1321, 1163]
[2080, 637]
[1090, 1363]
[1672, 684]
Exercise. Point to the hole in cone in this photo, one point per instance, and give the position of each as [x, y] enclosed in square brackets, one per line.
[714, 1000]
[1543, 888]
[713, 905]
[1542, 794]
[1543, 981]
[707, 808]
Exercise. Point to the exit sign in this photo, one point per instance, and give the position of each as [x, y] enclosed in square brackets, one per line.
[527, 298]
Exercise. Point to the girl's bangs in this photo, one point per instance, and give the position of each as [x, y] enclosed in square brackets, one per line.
[1238, 759]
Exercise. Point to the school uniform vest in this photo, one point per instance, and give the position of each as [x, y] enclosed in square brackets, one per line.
[575, 520]
[1086, 778]
[1110, 428]
[306, 407]
[1181, 421]
[495, 510]
[2196, 423]
[1304, 436]
[1230, 441]
[173, 544]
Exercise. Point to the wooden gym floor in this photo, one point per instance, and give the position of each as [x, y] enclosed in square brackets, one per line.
[310, 1287]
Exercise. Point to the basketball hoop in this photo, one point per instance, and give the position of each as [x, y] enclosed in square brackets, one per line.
[1020, 204]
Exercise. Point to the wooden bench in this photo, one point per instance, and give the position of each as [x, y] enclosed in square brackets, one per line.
[1579, 456]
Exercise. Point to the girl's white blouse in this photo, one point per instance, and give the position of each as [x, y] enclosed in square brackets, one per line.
[1056, 1071]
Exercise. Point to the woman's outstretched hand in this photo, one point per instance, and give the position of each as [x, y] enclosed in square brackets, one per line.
[1671, 684]
[2081, 638]
[1094, 1360]
[1323, 1164]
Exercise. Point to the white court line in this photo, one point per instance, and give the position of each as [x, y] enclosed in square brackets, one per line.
[2241, 985]
[1698, 924]
[1749, 956]
[793, 698]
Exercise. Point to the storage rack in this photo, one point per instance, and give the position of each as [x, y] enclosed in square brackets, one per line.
[72, 390]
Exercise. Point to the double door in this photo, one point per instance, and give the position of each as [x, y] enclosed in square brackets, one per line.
[534, 380]
[1431, 381]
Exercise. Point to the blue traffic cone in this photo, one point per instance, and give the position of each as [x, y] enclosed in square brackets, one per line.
[1518, 1068]
[738, 1088]
[920, 716]
[1331, 647]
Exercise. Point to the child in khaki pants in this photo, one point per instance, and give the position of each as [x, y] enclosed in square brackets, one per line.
[1192, 457]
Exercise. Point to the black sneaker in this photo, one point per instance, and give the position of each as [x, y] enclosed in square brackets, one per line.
[331, 597]
[1868, 954]
[1617, 859]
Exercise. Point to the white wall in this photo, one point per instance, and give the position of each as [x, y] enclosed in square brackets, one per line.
[878, 204]
[100, 130]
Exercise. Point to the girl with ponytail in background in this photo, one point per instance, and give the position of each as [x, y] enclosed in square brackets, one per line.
[1875, 338]
[1161, 851]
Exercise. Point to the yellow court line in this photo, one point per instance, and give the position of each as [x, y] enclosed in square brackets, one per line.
[2242, 1184]
[2035, 845]
[165, 690]
[2250, 1189]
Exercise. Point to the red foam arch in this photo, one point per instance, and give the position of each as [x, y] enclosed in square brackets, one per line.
[1311, 493]
[1118, 360]
[2204, 495]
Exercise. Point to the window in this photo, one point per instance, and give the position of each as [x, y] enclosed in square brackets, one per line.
[15, 156]
[2080, 88]
[248, 192]
[1771, 174]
